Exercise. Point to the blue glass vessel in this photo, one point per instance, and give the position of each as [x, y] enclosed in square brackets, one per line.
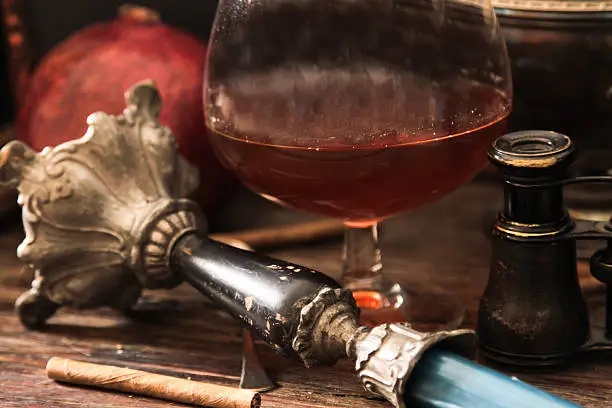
[446, 380]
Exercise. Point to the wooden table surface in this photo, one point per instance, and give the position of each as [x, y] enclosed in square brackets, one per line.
[194, 340]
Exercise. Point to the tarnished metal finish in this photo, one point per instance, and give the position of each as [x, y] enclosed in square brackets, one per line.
[326, 327]
[163, 229]
[533, 312]
[101, 212]
[386, 356]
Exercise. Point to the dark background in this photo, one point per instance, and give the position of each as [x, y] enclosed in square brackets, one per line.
[50, 22]
[6, 103]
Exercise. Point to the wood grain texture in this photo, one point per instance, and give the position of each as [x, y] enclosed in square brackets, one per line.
[189, 338]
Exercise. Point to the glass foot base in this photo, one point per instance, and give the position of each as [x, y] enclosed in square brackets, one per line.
[426, 311]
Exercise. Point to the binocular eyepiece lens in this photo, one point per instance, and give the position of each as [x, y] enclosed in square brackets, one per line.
[531, 149]
[532, 146]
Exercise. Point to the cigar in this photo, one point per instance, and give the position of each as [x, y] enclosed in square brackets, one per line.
[151, 385]
[284, 234]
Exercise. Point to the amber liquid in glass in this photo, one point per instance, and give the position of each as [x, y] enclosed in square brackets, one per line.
[359, 145]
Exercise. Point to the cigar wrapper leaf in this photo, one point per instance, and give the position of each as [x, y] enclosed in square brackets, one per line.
[150, 384]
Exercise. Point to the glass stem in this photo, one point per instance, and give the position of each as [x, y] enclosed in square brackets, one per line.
[362, 260]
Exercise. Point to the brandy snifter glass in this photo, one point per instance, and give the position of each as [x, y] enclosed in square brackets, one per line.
[358, 110]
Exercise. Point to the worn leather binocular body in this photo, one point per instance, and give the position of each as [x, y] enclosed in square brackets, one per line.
[533, 312]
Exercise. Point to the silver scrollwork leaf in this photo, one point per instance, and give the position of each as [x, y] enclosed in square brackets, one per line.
[100, 211]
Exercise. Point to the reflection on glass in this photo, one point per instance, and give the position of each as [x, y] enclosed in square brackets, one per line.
[358, 110]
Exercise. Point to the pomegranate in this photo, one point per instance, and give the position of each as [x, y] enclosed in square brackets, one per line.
[90, 72]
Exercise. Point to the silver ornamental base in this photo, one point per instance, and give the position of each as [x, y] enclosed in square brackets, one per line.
[386, 356]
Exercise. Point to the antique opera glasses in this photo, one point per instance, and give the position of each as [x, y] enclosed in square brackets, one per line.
[533, 312]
